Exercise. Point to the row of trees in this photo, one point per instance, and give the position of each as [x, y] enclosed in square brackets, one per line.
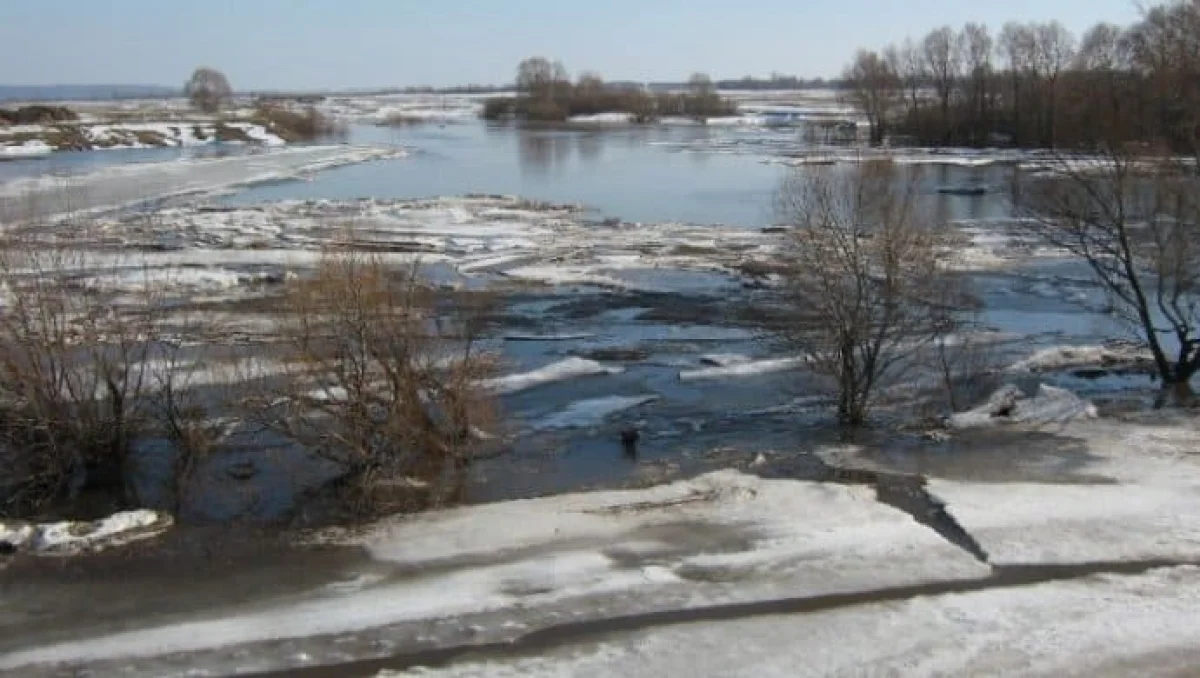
[546, 93]
[1035, 84]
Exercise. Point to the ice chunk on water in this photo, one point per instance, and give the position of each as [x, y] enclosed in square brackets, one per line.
[570, 368]
[586, 413]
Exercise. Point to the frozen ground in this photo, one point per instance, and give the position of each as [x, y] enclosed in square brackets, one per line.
[725, 574]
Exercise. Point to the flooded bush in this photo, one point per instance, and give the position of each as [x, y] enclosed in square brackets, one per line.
[306, 124]
[381, 379]
[73, 376]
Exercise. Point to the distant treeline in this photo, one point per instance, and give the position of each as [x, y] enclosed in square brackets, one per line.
[84, 92]
[546, 93]
[1036, 85]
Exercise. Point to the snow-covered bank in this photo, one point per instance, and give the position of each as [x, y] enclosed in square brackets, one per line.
[1107, 626]
[721, 538]
[69, 538]
[35, 139]
[116, 187]
[1138, 500]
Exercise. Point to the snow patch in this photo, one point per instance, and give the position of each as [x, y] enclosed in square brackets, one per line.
[28, 149]
[67, 538]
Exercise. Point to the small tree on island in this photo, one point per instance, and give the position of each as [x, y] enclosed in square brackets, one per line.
[208, 90]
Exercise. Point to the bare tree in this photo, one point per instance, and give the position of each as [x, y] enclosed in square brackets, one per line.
[1055, 52]
[875, 90]
[208, 89]
[865, 278]
[1102, 48]
[73, 374]
[943, 61]
[701, 84]
[539, 78]
[589, 84]
[977, 47]
[909, 66]
[382, 382]
[1165, 50]
[1017, 45]
[1134, 218]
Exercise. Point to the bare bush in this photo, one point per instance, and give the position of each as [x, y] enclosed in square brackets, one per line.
[297, 125]
[208, 89]
[382, 380]
[964, 363]
[72, 378]
[183, 419]
[867, 287]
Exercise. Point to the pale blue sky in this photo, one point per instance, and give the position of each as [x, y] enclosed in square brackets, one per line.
[357, 43]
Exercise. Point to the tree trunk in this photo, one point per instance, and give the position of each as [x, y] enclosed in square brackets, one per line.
[1178, 393]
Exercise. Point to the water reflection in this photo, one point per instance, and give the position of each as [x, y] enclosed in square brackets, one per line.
[697, 174]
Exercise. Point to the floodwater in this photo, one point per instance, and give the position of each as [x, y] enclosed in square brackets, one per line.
[695, 174]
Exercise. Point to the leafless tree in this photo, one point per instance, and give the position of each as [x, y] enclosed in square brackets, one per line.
[1165, 50]
[380, 381]
[875, 89]
[1017, 45]
[977, 46]
[943, 61]
[865, 278]
[1102, 48]
[73, 374]
[1134, 218]
[909, 66]
[1055, 52]
[701, 84]
[589, 84]
[208, 89]
[538, 77]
